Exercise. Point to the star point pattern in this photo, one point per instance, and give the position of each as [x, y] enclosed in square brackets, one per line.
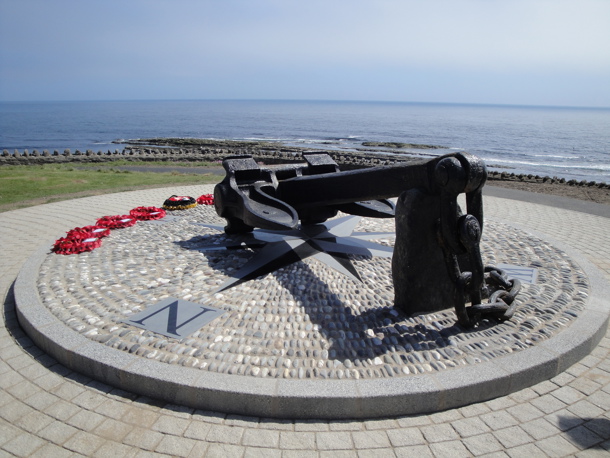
[331, 243]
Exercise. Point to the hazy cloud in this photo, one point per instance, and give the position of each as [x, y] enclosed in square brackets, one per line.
[464, 50]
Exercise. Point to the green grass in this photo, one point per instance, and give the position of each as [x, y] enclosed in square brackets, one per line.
[132, 163]
[26, 185]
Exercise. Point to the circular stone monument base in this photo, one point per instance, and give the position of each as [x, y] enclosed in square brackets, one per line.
[309, 339]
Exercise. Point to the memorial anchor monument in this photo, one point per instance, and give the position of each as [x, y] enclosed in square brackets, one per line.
[436, 263]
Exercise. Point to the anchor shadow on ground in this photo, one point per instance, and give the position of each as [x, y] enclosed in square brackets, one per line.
[353, 333]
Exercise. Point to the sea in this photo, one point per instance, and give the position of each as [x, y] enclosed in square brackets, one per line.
[564, 142]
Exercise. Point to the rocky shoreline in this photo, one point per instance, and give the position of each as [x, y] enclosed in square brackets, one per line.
[202, 150]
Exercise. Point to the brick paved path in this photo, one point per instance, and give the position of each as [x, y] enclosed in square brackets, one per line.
[47, 410]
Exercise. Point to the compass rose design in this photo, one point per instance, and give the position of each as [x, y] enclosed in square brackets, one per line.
[331, 243]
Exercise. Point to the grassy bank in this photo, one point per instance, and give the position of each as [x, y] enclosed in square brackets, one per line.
[25, 185]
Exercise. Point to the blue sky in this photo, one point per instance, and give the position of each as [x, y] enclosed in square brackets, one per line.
[531, 52]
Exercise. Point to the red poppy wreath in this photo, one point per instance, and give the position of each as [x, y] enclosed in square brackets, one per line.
[147, 213]
[75, 246]
[116, 222]
[179, 203]
[88, 232]
[206, 199]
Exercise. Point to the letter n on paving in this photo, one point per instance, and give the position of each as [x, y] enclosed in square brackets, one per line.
[174, 317]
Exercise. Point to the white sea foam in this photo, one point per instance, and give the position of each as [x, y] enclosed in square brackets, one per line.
[554, 165]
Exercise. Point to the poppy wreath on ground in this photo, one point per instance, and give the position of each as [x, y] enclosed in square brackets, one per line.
[88, 232]
[116, 222]
[147, 213]
[179, 203]
[74, 246]
[206, 199]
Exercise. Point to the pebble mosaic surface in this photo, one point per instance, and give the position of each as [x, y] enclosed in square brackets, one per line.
[304, 320]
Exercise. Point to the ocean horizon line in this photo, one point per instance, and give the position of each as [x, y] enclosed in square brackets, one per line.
[313, 101]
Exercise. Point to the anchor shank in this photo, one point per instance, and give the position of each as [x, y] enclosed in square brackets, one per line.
[337, 188]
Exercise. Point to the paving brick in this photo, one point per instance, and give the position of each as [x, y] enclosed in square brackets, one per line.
[112, 409]
[254, 452]
[334, 441]
[34, 371]
[601, 399]
[379, 424]
[513, 437]
[405, 437]
[34, 421]
[407, 422]
[600, 426]
[112, 430]
[199, 450]
[568, 395]
[482, 444]
[20, 363]
[563, 379]
[41, 400]
[470, 427]
[312, 425]
[582, 437]
[439, 433]
[143, 438]
[526, 450]
[564, 420]
[57, 432]
[306, 454]
[556, 446]
[524, 395]
[474, 410]
[454, 449]
[175, 446]
[225, 434]
[577, 370]
[5, 398]
[8, 432]
[349, 425]
[584, 409]
[197, 430]
[499, 420]
[370, 439]
[62, 410]
[548, 403]
[136, 415]
[109, 449]
[376, 453]
[23, 445]
[86, 420]
[67, 390]
[209, 417]
[500, 403]
[544, 387]
[420, 451]
[261, 438]
[52, 451]
[290, 440]
[171, 425]
[525, 412]
[23, 390]
[540, 428]
[224, 451]
[89, 400]
[240, 420]
[585, 386]
[338, 453]
[284, 425]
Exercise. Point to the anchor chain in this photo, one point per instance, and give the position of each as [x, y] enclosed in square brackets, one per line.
[459, 236]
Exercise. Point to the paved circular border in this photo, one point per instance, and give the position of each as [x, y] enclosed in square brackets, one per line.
[334, 399]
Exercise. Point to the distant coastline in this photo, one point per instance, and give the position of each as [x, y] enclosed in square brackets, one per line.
[171, 151]
[547, 141]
